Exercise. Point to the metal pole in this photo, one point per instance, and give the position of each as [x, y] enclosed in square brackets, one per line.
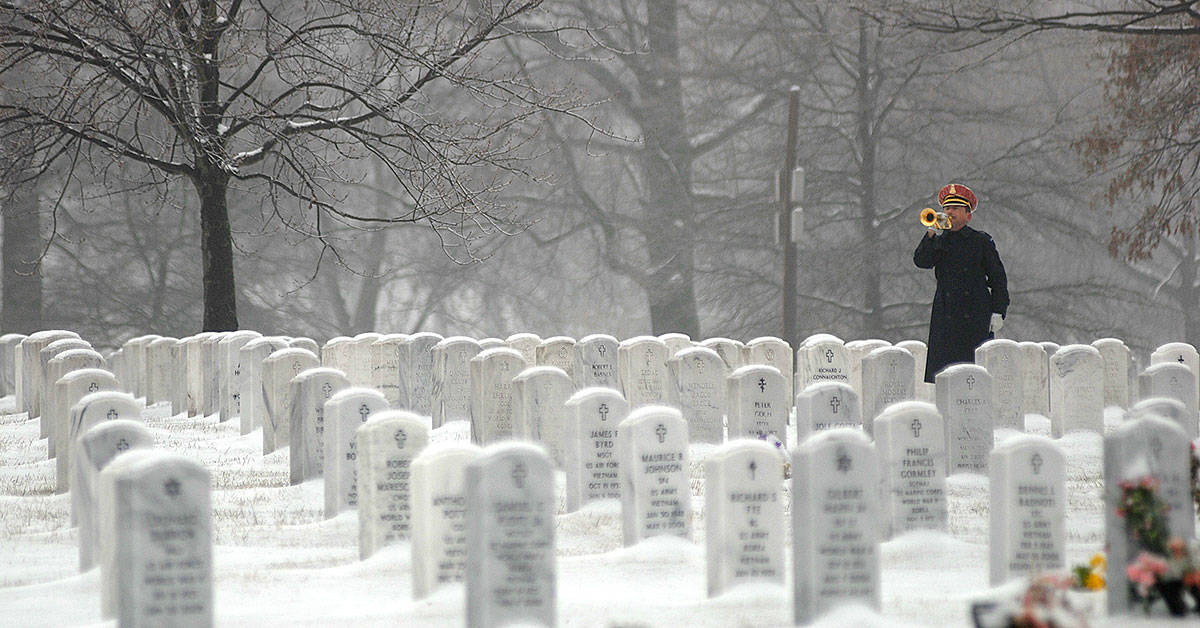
[789, 330]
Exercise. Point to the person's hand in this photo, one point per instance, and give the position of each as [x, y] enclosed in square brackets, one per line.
[933, 231]
[997, 323]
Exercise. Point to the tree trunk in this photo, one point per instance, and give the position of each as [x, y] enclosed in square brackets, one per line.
[365, 309]
[1188, 300]
[666, 178]
[216, 249]
[872, 296]
[21, 309]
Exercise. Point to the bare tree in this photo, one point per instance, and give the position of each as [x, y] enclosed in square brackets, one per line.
[991, 17]
[281, 100]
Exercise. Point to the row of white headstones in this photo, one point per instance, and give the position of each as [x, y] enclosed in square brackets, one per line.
[643, 462]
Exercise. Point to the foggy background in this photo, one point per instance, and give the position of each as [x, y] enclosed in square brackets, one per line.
[646, 203]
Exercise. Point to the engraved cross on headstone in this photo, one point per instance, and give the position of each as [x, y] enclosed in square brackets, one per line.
[916, 428]
[401, 437]
[762, 384]
[602, 349]
[327, 388]
[1035, 462]
[363, 411]
[661, 431]
[1181, 359]
[834, 402]
[122, 444]
[844, 461]
[753, 466]
[171, 487]
[93, 387]
[829, 356]
[112, 414]
[603, 409]
[519, 473]
[970, 382]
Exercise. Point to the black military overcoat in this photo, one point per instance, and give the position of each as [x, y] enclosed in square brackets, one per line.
[971, 285]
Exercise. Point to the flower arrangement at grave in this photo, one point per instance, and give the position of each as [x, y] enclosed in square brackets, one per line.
[1090, 576]
[1167, 568]
[1043, 604]
[774, 441]
[1194, 459]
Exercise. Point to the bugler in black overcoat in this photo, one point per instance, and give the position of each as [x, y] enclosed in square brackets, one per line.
[971, 285]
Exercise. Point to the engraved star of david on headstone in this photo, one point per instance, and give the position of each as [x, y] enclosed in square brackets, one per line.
[762, 384]
[519, 473]
[844, 461]
[171, 487]
[829, 356]
[970, 382]
[834, 402]
[122, 444]
[112, 414]
[363, 411]
[401, 437]
[661, 431]
[916, 428]
[603, 409]
[1035, 462]
[753, 466]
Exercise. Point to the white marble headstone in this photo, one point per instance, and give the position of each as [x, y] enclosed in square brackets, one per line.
[1117, 363]
[910, 439]
[1076, 390]
[309, 390]
[774, 352]
[1027, 488]
[417, 371]
[387, 444]
[757, 403]
[345, 411]
[964, 399]
[826, 405]
[700, 384]
[557, 351]
[743, 510]
[596, 362]
[94, 449]
[1036, 390]
[652, 454]
[511, 577]
[439, 515]
[1173, 381]
[492, 413]
[590, 445]
[156, 561]
[887, 378]
[539, 401]
[278, 369]
[642, 363]
[450, 392]
[1005, 362]
[835, 523]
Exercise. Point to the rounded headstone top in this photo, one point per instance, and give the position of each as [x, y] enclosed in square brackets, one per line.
[497, 352]
[907, 407]
[367, 337]
[654, 411]
[63, 344]
[319, 371]
[643, 339]
[821, 338]
[13, 337]
[49, 335]
[692, 352]
[593, 392]
[1021, 440]
[752, 370]
[597, 338]
[390, 339]
[434, 452]
[1174, 347]
[290, 352]
[425, 336]
[999, 343]
[674, 335]
[337, 340]
[836, 435]
[1157, 406]
[540, 371]
[88, 373]
[765, 340]
[491, 342]
[523, 336]
[77, 353]
[1108, 342]
[868, 344]
[356, 392]
[558, 339]
[826, 386]
[457, 340]
[888, 350]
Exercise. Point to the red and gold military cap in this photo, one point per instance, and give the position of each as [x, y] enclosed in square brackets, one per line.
[957, 194]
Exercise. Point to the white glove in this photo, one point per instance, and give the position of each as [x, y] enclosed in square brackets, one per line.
[997, 323]
[935, 231]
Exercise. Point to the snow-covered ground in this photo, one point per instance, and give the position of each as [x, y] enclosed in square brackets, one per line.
[278, 562]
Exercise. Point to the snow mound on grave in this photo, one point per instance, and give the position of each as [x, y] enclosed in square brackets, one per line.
[661, 550]
[858, 616]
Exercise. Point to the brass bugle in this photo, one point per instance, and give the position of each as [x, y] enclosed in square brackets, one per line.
[935, 219]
